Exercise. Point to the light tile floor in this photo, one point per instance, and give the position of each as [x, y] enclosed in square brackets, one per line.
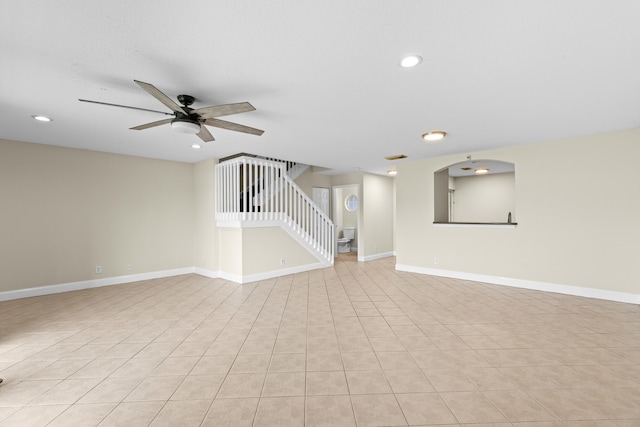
[357, 344]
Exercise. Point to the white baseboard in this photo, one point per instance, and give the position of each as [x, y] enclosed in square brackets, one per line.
[527, 284]
[206, 273]
[376, 256]
[87, 284]
[109, 281]
[230, 277]
[495, 280]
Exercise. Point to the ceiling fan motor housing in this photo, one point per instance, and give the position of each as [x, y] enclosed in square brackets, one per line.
[186, 100]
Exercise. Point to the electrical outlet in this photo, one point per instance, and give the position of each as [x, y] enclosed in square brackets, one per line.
[436, 261]
[129, 267]
[98, 269]
[281, 261]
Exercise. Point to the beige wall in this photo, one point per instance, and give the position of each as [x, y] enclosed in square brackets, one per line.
[205, 237]
[348, 179]
[230, 248]
[577, 203]
[264, 247]
[377, 202]
[64, 211]
[307, 180]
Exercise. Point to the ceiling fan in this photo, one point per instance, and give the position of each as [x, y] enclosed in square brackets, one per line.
[188, 120]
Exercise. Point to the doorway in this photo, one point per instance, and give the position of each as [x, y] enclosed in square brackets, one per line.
[346, 213]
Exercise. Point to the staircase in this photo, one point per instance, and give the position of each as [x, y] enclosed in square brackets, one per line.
[258, 192]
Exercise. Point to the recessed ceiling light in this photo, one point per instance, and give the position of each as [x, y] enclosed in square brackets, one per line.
[41, 118]
[410, 61]
[434, 136]
[481, 171]
[392, 172]
[196, 146]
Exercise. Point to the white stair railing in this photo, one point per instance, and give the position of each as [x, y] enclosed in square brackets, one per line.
[255, 192]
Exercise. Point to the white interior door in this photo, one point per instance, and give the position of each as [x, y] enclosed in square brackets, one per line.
[321, 198]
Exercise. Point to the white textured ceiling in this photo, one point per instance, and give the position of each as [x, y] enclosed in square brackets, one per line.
[323, 75]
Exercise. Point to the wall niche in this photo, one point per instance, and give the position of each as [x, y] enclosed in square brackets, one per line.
[475, 192]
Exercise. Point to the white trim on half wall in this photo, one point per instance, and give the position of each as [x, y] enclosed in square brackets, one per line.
[262, 276]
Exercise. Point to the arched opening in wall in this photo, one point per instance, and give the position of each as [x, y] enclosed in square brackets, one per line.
[475, 192]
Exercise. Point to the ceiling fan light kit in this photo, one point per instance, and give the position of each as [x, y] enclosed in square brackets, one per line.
[185, 126]
[189, 120]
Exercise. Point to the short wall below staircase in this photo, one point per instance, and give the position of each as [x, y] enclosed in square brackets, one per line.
[257, 253]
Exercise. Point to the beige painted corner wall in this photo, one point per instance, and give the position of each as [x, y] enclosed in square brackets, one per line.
[577, 203]
[377, 202]
[64, 211]
[205, 252]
